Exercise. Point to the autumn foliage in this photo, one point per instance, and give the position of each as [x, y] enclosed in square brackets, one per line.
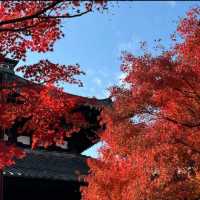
[152, 138]
[152, 145]
[38, 107]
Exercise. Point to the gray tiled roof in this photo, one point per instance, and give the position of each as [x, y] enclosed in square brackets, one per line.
[49, 165]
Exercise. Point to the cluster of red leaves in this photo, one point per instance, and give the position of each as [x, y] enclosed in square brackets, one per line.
[46, 72]
[48, 113]
[36, 25]
[152, 139]
[43, 112]
[7, 154]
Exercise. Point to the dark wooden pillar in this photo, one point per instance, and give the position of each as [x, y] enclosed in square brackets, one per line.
[1, 186]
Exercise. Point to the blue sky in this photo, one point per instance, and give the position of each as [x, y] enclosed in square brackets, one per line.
[96, 40]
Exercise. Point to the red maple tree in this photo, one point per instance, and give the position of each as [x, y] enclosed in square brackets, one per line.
[152, 137]
[40, 102]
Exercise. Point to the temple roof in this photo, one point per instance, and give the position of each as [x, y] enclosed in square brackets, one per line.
[7, 64]
[89, 106]
[49, 165]
[75, 98]
[8, 60]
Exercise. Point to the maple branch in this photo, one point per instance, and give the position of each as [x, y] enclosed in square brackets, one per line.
[186, 144]
[127, 116]
[185, 93]
[25, 28]
[35, 15]
[188, 83]
[64, 16]
[181, 123]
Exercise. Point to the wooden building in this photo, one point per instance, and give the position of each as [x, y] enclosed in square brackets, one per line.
[55, 172]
